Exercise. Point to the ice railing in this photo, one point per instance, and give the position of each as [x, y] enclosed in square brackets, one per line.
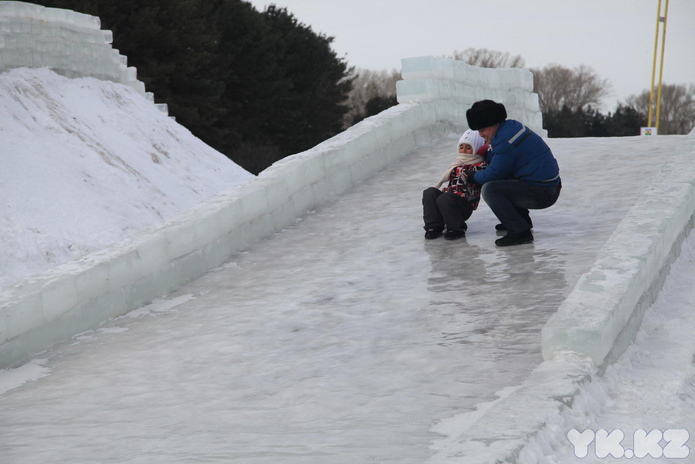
[71, 44]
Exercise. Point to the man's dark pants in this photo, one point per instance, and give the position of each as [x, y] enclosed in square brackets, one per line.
[511, 201]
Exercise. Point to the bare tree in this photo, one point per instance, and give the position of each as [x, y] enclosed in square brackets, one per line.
[486, 58]
[676, 111]
[576, 88]
[368, 86]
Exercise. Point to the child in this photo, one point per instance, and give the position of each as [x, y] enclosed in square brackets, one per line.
[454, 204]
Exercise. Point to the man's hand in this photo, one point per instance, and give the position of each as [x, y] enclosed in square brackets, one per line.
[469, 176]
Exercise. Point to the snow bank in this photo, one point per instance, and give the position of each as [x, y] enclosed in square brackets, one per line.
[650, 387]
[87, 163]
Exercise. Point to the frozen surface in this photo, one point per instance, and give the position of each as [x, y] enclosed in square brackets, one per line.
[346, 338]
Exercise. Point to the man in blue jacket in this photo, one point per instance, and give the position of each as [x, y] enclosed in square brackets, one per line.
[522, 174]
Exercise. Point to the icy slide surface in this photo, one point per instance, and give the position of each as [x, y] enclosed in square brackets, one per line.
[346, 338]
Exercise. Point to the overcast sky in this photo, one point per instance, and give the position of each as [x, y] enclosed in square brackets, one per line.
[614, 37]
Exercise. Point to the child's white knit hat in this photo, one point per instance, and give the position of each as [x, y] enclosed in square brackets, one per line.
[472, 138]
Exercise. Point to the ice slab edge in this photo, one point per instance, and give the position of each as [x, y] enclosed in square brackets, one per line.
[77, 296]
[499, 435]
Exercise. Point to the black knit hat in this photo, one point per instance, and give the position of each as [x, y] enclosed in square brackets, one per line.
[485, 113]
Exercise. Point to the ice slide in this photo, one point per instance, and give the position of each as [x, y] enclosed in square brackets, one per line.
[343, 336]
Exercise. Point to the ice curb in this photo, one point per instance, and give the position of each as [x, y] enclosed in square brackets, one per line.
[602, 313]
[502, 431]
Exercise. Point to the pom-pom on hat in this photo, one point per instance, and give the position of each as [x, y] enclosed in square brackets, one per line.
[472, 138]
[485, 113]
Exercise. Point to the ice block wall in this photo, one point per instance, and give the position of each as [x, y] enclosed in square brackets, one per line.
[46, 309]
[71, 44]
[456, 85]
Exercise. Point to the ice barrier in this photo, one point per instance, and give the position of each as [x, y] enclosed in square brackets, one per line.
[456, 85]
[598, 319]
[601, 315]
[71, 44]
[79, 296]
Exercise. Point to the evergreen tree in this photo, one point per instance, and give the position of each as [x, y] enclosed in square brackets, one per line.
[173, 45]
[595, 123]
[318, 84]
[564, 123]
[377, 104]
[626, 121]
[252, 83]
[255, 86]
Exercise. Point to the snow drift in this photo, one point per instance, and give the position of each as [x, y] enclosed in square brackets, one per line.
[87, 163]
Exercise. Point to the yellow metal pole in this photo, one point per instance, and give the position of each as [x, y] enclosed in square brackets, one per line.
[656, 48]
[661, 70]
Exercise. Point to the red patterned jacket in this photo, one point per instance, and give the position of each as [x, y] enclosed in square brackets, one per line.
[458, 183]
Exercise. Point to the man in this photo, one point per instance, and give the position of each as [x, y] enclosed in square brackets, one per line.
[522, 174]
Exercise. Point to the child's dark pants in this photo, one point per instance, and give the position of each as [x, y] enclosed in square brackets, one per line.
[442, 209]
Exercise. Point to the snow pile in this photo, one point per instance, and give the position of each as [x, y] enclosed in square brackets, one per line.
[87, 163]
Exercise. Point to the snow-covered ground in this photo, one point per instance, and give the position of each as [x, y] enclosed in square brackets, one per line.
[651, 387]
[345, 338]
[87, 163]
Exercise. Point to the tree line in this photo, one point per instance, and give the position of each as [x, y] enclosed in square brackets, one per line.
[255, 85]
[260, 85]
[569, 98]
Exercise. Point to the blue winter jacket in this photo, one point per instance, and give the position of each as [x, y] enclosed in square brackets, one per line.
[519, 153]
